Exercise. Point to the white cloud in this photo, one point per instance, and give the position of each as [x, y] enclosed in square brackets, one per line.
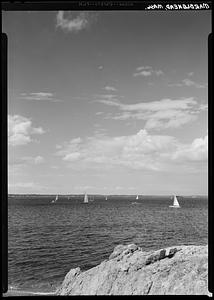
[39, 96]
[143, 73]
[98, 113]
[99, 130]
[143, 68]
[27, 160]
[162, 114]
[141, 151]
[169, 119]
[196, 151]
[37, 160]
[158, 72]
[68, 148]
[25, 186]
[108, 102]
[108, 99]
[110, 88]
[106, 96]
[203, 107]
[72, 156]
[132, 151]
[20, 130]
[74, 22]
[187, 82]
[161, 105]
[22, 185]
[146, 71]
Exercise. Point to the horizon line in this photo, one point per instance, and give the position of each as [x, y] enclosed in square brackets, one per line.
[67, 194]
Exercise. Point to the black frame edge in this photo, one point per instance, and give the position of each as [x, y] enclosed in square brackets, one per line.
[4, 149]
[4, 181]
[48, 5]
[210, 169]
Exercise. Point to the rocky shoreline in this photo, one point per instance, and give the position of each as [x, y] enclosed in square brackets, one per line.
[178, 270]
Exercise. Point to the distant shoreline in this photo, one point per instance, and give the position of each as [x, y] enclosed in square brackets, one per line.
[109, 195]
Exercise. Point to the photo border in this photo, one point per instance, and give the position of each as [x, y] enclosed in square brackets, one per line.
[96, 6]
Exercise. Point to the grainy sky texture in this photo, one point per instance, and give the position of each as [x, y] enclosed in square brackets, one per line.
[107, 102]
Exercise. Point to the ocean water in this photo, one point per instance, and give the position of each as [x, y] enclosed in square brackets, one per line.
[46, 240]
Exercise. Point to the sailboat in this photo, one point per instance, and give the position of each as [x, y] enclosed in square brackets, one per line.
[137, 197]
[175, 203]
[85, 198]
[53, 201]
[106, 198]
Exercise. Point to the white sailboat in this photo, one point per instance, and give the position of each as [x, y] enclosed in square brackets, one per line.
[85, 198]
[106, 198]
[53, 201]
[137, 197]
[175, 203]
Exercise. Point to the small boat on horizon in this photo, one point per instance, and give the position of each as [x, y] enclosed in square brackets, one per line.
[85, 198]
[175, 203]
[54, 201]
[137, 197]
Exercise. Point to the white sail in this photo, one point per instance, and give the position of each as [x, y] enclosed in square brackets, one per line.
[54, 200]
[137, 197]
[106, 198]
[175, 202]
[86, 198]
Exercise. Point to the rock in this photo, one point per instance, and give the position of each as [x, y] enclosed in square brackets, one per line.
[172, 252]
[121, 250]
[156, 256]
[162, 254]
[180, 270]
[117, 251]
[69, 280]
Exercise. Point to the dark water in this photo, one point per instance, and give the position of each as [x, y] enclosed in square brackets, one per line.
[47, 240]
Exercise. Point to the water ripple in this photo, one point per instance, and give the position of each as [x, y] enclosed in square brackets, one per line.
[46, 241]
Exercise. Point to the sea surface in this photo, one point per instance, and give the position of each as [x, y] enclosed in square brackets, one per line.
[46, 240]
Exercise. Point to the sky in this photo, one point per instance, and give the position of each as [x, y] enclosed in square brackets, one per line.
[107, 102]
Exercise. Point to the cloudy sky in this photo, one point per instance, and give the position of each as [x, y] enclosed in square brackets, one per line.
[107, 102]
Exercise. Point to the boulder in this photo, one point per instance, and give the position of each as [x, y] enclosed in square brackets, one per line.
[180, 270]
[121, 250]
